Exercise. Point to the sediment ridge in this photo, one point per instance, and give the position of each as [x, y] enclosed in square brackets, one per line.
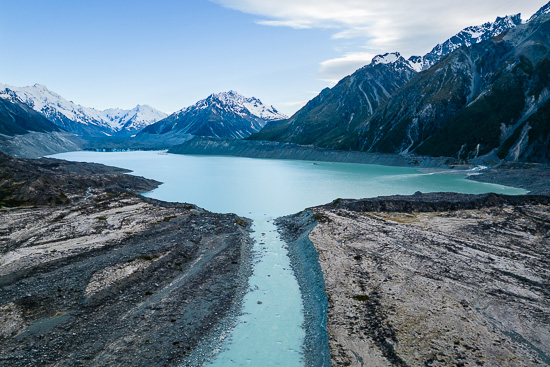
[304, 261]
[93, 274]
[277, 150]
[433, 279]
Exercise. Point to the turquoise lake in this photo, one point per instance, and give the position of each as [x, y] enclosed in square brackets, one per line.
[269, 331]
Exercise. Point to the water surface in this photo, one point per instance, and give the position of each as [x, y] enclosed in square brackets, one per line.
[269, 333]
[257, 187]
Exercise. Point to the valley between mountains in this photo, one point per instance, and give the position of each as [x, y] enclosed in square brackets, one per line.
[93, 273]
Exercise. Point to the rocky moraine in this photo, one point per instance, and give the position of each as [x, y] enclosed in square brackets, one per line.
[93, 274]
[430, 279]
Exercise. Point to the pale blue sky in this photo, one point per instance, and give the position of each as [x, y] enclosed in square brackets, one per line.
[169, 54]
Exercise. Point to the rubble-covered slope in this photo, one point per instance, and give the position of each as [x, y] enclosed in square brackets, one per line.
[476, 101]
[93, 274]
[433, 280]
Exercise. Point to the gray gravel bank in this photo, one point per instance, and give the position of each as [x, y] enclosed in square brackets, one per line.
[93, 274]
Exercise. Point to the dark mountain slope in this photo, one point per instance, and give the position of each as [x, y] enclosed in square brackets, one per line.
[335, 113]
[474, 101]
[331, 119]
[16, 118]
[26, 133]
[221, 115]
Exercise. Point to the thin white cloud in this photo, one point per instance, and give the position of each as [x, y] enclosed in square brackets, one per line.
[410, 27]
[334, 69]
[296, 24]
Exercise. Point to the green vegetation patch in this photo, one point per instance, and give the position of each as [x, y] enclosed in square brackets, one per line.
[480, 122]
[361, 297]
[320, 218]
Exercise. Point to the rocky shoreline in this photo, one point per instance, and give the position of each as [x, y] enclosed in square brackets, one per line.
[529, 176]
[93, 274]
[433, 279]
[304, 261]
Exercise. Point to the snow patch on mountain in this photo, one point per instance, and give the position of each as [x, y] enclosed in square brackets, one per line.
[139, 117]
[386, 58]
[467, 37]
[544, 10]
[239, 104]
[393, 60]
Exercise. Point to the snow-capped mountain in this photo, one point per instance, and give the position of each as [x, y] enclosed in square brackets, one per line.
[544, 10]
[80, 120]
[467, 37]
[139, 117]
[220, 115]
[239, 104]
[336, 116]
[330, 118]
[386, 58]
[490, 99]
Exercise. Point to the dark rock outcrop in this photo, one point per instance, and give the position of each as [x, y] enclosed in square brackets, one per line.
[329, 119]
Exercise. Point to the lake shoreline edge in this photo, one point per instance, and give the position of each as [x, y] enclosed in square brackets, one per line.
[505, 173]
[304, 261]
[301, 232]
[167, 278]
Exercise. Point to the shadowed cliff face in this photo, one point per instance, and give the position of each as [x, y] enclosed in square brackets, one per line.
[437, 279]
[94, 274]
[330, 118]
[491, 97]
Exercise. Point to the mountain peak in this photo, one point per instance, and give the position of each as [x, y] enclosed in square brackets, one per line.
[544, 10]
[232, 100]
[228, 96]
[79, 119]
[387, 58]
[466, 37]
[220, 115]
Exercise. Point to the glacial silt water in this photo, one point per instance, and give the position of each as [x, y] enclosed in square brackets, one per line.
[269, 331]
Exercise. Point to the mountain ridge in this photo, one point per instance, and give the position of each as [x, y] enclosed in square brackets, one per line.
[336, 119]
[335, 112]
[220, 115]
[490, 98]
[81, 120]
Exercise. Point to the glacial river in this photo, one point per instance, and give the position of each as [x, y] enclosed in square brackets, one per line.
[269, 331]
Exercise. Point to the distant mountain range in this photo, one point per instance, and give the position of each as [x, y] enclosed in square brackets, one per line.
[220, 115]
[482, 92]
[79, 120]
